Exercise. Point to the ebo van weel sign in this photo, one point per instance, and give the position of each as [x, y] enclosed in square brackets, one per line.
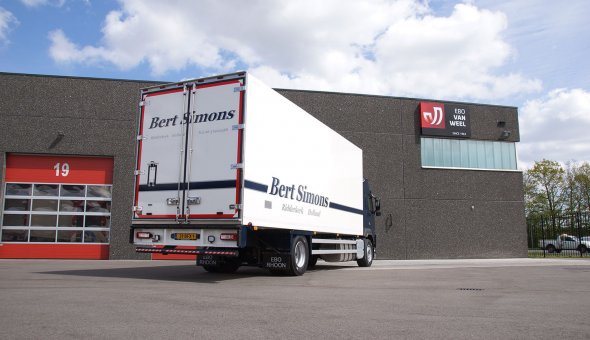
[448, 120]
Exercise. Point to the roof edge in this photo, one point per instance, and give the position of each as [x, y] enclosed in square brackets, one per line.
[394, 97]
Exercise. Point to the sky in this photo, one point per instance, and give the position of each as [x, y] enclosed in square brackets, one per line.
[532, 54]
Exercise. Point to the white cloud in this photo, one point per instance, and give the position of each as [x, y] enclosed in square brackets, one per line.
[38, 3]
[382, 47]
[556, 127]
[7, 22]
[548, 36]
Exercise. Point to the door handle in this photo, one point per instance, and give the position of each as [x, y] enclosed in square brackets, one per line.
[152, 172]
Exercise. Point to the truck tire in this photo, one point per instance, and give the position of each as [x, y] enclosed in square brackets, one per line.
[299, 256]
[313, 260]
[211, 269]
[582, 249]
[550, 249]
[367, 260]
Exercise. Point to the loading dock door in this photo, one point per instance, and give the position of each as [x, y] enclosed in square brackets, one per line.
[56, 207]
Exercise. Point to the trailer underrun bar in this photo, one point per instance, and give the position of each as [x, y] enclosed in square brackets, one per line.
[186, 251]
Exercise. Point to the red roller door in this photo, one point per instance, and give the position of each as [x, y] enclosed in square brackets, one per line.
[56, 207]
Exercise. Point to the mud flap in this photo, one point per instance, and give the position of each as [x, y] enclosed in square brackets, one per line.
[209, 260]
[276, 261]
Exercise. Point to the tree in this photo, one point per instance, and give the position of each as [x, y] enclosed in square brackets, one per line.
[548, 177]
[582, 180]
[533, 200]
[571, 190]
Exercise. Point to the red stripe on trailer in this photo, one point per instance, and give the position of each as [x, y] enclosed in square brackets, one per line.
[187, 251]
[158, 93]
[239, 160]
[175, 257]
[139, 148]
[158, 216]
[233, 81]
[210, 216]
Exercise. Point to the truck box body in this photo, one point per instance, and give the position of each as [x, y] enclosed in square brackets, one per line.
[229, 150]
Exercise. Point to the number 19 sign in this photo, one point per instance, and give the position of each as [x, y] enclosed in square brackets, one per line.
[62, 169]
[59, 169]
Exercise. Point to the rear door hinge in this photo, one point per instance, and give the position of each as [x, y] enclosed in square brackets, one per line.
[240, 88]
[237, 166]
[139, 172]
[238, 127]
[235, 206]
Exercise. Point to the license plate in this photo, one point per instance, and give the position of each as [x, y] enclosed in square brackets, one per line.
[185, 236]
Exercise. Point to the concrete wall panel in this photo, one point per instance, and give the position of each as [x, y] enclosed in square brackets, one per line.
[96, 117]
[464, 229]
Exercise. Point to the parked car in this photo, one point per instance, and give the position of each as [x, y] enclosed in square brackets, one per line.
[566, 242]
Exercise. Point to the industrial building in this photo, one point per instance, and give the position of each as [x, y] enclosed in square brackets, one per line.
[446, 171]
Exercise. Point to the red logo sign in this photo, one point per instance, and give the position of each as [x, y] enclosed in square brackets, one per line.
[432, 115]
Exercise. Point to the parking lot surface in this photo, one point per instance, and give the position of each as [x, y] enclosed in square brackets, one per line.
[448, 299]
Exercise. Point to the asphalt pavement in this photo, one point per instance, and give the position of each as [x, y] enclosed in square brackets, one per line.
[426, 299]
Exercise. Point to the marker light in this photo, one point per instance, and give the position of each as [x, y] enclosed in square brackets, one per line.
[143, 235]
[228, 237]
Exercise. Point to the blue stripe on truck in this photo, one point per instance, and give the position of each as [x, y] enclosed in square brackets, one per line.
[193, 186]
[345, 208]
[255, 186]
[264, 188]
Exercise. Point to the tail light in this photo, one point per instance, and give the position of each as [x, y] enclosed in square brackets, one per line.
[143, 235]
[228, 237]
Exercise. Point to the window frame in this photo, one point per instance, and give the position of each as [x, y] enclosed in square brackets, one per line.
[474, 151]
[57, 213]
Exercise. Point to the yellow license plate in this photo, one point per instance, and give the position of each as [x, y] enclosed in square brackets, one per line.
[185, 236]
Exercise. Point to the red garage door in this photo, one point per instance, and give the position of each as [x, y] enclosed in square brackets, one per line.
[56, 207]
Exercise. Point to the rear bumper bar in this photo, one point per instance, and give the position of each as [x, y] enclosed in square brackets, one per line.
[233, 253]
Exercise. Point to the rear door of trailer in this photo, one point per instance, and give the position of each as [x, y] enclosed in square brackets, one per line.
[189, 152]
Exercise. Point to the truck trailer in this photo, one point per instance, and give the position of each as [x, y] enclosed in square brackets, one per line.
[231, 171]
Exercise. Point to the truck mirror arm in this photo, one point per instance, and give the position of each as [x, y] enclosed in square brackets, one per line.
[377, 205]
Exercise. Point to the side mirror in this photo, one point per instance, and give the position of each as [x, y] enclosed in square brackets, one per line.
[377, 207]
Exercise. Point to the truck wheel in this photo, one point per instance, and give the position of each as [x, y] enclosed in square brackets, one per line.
[551, 249]
[582, 248]
[299, 256]
[367, 260]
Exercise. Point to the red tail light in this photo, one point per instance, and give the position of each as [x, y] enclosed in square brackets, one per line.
[228, 237]
[143, 235]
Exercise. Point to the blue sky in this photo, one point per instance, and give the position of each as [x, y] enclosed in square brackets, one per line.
[526, 53]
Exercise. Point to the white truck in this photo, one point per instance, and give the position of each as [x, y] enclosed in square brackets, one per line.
[565, 242]
[231, 171]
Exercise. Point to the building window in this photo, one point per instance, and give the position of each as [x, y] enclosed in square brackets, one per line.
[56, 213]
[467, 154]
